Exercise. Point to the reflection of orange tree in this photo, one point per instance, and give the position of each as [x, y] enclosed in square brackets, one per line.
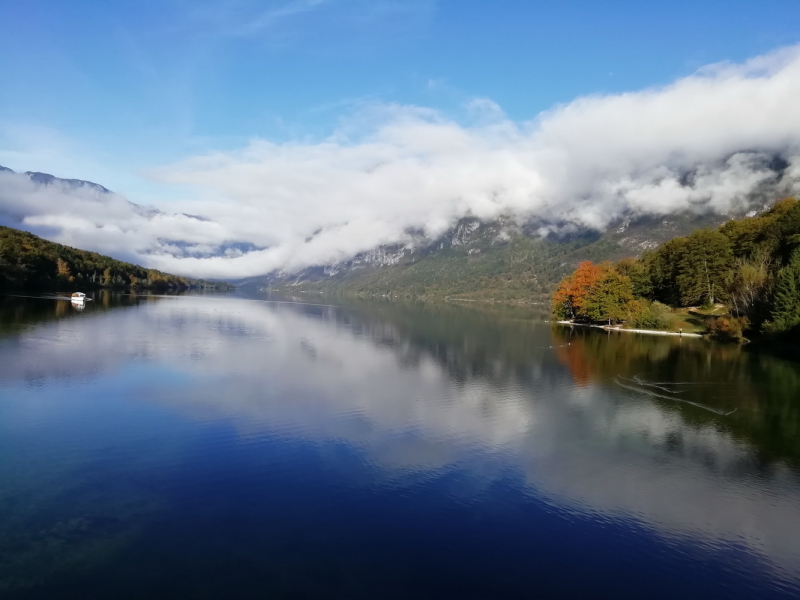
[695, 379]
[589, 353]
[573, 354]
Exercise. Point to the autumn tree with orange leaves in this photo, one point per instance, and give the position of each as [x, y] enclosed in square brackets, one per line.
[571, 294]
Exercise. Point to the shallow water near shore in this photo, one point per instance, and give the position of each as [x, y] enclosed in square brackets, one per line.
[208, 447]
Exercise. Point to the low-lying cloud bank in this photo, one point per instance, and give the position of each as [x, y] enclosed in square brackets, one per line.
[705, 142]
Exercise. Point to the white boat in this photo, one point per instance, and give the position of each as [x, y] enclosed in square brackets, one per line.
[78, 298]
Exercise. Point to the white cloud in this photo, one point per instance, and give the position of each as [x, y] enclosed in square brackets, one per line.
[390, 168]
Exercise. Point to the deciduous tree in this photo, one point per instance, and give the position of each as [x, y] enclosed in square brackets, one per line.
[609, 298]
[570, 296]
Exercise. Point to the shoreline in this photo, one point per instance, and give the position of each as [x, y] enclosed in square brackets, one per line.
[644, 331]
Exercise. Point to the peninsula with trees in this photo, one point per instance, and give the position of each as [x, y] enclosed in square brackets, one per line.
[737, 281]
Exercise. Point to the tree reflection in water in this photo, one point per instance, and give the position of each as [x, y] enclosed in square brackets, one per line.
[752, 395]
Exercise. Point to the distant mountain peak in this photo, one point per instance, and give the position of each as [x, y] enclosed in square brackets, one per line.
[48, 179]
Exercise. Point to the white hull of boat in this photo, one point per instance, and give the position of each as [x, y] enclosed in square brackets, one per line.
[79, 299]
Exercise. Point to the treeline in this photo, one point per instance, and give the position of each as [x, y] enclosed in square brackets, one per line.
[751, 265]
[28, 262]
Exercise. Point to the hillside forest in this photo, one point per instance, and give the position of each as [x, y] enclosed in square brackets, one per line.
[743, 276]
[28, 262]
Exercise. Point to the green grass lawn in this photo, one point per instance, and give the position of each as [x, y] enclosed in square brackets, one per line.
[694, 319]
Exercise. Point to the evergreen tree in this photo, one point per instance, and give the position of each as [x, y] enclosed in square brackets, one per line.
[662, 266]
[786, 306]
[635, 270]
[704, 267]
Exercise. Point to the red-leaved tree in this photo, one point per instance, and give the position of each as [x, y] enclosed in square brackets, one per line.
[570, 296]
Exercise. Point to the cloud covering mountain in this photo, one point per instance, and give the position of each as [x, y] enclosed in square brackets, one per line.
[706, 142]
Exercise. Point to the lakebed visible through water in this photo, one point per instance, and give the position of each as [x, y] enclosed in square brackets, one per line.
[223, 447]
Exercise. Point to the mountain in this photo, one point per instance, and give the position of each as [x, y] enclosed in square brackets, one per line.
[503, 259]
[47, 179]
[508, 260]
[497, 260]
[86, 189]
[47, 206]
[30, 262]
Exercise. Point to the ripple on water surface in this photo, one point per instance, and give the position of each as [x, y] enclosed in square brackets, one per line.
[223, 447]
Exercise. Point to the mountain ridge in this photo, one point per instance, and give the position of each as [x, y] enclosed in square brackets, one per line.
[48, 179]
[505, 258]
[498, 260]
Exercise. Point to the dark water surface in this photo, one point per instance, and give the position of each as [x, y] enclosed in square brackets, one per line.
[219, 447]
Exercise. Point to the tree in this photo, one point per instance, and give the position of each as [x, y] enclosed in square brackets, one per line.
[662, 268]
[749, 287]
[704, 267]
[108, 277]
[649, 315]
[786, 229]
[635, 270]
[571, 294]
[609, 298]
[562, 305]
[63, 272]
[786, 305]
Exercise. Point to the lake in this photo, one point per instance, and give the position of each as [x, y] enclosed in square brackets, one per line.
[226, 447]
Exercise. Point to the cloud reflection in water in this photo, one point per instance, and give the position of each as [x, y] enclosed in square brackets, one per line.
[468, 393]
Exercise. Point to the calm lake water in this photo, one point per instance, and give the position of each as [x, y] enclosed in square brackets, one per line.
[221, 447]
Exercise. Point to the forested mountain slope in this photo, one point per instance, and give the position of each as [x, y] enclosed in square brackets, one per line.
[487, 261]
[30, 262]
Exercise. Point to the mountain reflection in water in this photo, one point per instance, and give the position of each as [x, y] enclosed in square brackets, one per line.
[250, 448]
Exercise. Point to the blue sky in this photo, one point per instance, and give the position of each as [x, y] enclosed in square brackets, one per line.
[305, 132]
[105, 90]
